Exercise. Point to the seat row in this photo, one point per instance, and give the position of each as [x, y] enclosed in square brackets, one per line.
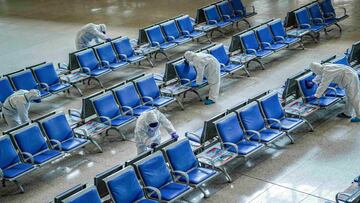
[164, 176]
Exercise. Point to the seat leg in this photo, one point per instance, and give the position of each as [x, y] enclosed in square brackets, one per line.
[290, 138]
[259, 62]
[96, 144]
[3, 183]
[202, 190]
[78, 89]
[98, 81]
[208, 38]
[247, 22]
[150, 62]
[197, 94]
[180, 104]
[337, 25]
[309, 125]
[226, 174]
[19, 186]
[302, 45]
[246, 71]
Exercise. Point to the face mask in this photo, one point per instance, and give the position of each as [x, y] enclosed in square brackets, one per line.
[153, 127]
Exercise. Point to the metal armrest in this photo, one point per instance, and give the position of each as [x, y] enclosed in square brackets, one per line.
[211, 22]
[253, 133]
[123, 56]
[253, 8]
[231, 145]
[183, 174]
[57, 144]
[74, 112]
[275, 120]
[157, 191]
[188, 82]
[103, 64]
[251, 50]
[185, 32]
[157, 44]
[226, 17]
[85, 132]
[305, 25]
[108, 120]
[317, 19]
[150, 98]
[333, 89]
[63, 66]
[29, 156]
[44, 86]
[222, 65]
[130, 110]
[170, 38]
[86, 70]
[280, 38]
[240, 12]
[212, 163]
[267, 44]
[133, 41]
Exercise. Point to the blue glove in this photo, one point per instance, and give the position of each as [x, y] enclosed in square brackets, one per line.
[309, 84]
[174, 136]
[108, 40]
[153, 145]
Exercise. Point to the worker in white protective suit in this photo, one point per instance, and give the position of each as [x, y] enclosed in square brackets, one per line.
[208, 66]
[345, 77]
[16, 107]
[147, 130]
[89, 33]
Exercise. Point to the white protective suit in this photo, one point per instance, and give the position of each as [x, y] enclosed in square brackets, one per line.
[345, 77]
[16, 107]
[88, 33]
[208, 65]
[145, 135]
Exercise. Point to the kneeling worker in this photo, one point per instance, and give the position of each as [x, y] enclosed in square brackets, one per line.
[147, 130]
[16, 106]
[90, 32]
[345, 77]
[208, 65]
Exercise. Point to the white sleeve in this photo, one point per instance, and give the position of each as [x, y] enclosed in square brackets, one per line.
[324, 84]
[165, 123]
[97, 33]
[23, 111]
[199, 73]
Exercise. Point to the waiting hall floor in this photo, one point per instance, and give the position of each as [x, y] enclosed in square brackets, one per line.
[314, 169]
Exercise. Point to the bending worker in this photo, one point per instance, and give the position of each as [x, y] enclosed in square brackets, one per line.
[90, 32]
[206, 64]
[345, 77]
[16, 107]
[147, 130]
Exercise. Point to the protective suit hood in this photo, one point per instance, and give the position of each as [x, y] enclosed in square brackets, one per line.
[316, 68]
[190, 55]
[150, 117]
[33, 95]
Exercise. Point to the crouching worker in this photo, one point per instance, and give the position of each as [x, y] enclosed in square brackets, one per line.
[147, 130]
[89, 33]
[16, 106]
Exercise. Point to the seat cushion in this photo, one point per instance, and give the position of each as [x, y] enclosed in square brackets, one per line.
[276, 47]
[287, 123]
[99, 71]
[117, 65]
[316, 28]
[44, 93]
[231, 67]
[197, 34]
[223, 24]
[167, 45]
[135, 58]
[182, 40]
[263, 53]
[141, 109]
[268, 135]
[58, 87]
[339, 92]
[198, 175]
[46, 155]
[291, 40]
[161, 101]
[147, 201]
[323, 101]
[72, 143]
[246, 147]
[195, 136]
[17, 170]
[171, 191]
[121, 120]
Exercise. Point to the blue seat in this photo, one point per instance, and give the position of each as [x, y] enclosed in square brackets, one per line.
[130, 100]
[329, 11]
[109, 112]
[6, 90]
[187, 74]
[11, 166]
[324, 101]
[335, 91]
[318, 18]
[344, 60]
[25, 80]
[154, 172]
[213, 17]
[267, 40]
[173, 34]
[150, 92]
[275, 114]
[46, 74]
[303, 20]
[228, 66]
[60, 134]
[228, 12]
[255, 125]
[89, 194]
[182, 158]
[187, 28]
[251, 45]
[126, 51]
[240, 8]
[279, 33]
[234, 138]
[157, 39]
[124, 187]
[33, 145]
[108, 57]
[90, 64]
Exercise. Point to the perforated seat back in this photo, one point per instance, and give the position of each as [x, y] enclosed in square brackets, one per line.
[125, 187]
[87, 195]
[249, 40]
[225, 8]
[315, 11]
[31, 140]
[155, 35]
[106, 106]
[57, 128]
[251, 117]
[327, 8]
[219, 53]
[305, 90]
[185, 24]
[302, 16]
[277, 28]
[154, 171]
[6, 89]
[87, 59]
[229, 129]
[238, 5]
[106, 53]
[24, 80]
[123, 46]
[171, 29]
[181, 156]
[272, 107]
[185, 71]
[148, 87]
[128, 96]
[8, 154]
[264, 34]
[211, 13]
[46, 74]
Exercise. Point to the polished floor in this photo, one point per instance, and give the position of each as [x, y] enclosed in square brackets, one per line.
[314, 169]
